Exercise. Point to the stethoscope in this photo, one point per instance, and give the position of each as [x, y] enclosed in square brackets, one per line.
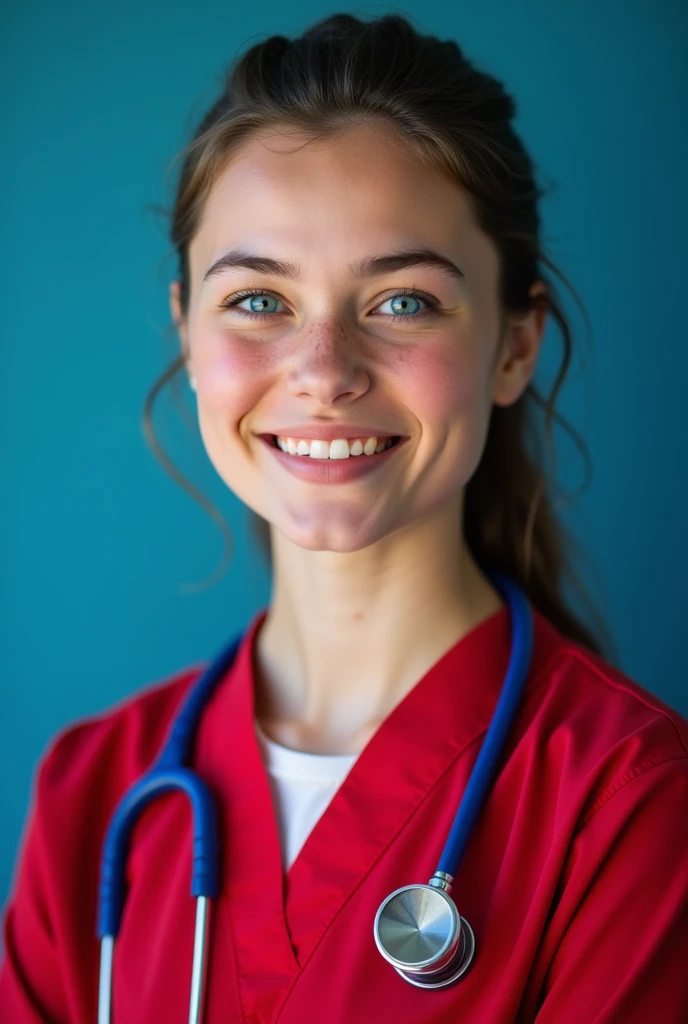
[417, 928]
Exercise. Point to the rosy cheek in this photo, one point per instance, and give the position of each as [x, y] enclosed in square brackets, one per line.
[234, 372]
[438, 384]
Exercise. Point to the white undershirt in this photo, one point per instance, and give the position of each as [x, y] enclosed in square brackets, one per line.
[302, 786]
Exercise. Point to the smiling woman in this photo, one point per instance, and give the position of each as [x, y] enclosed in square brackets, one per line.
[340, 336]
[361, 302]
[270, 158]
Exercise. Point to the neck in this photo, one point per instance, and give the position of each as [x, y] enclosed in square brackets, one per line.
[347, 635]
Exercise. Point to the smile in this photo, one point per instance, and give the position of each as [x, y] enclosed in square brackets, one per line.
[341, 448]
[318, 465]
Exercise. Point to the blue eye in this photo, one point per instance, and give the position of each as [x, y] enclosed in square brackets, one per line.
[259, 302]
[401, 302]
[405, 304]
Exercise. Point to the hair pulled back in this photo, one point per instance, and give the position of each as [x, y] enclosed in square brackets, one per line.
[343, 71]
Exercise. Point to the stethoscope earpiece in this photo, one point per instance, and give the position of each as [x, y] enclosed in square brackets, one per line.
[419, 931]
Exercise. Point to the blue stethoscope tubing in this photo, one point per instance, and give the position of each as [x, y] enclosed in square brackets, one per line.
[169, 772]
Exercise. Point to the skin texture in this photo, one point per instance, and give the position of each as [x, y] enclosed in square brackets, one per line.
[372, 579]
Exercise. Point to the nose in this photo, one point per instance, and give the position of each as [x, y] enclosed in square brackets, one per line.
[327, 364]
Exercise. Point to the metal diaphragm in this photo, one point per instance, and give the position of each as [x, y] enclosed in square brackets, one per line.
[421, 933]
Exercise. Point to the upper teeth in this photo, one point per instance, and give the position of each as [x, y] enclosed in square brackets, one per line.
[339, 449]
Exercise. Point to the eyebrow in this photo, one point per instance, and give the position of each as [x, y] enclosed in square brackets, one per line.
[369, 266]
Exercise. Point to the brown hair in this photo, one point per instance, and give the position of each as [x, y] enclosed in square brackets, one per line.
[457, 118]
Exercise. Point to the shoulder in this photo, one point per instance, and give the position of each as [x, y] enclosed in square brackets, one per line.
[601, 791]
[594, 698]
[107, 751]
[598, 726]
[78, 783]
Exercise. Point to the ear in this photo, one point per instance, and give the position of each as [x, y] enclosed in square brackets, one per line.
[520, 348]
[179, 318]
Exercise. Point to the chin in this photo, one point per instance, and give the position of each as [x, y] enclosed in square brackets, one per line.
[329, 536]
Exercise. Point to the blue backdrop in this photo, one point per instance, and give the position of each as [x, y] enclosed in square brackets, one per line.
[96, 539]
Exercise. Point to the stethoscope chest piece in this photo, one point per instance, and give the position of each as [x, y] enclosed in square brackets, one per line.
[421, 933]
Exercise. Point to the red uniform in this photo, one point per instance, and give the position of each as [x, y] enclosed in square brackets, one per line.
[574, 880]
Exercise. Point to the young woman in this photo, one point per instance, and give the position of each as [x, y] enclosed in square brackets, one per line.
[360, 304]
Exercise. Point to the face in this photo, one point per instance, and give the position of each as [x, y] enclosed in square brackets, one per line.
[409, 349]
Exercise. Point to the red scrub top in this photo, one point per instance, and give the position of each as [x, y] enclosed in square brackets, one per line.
[574, 880]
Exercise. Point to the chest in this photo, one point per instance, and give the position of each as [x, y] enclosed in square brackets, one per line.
[299, 946]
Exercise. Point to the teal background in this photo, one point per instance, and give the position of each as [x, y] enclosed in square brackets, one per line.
[96, 539]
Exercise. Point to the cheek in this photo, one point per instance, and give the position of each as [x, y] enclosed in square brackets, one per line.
[447, 389]
[443, 385]
[234, 375]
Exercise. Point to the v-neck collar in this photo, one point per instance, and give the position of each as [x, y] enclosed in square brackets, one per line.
[284, 915]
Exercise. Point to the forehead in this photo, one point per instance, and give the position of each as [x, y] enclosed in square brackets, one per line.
[364, 190]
